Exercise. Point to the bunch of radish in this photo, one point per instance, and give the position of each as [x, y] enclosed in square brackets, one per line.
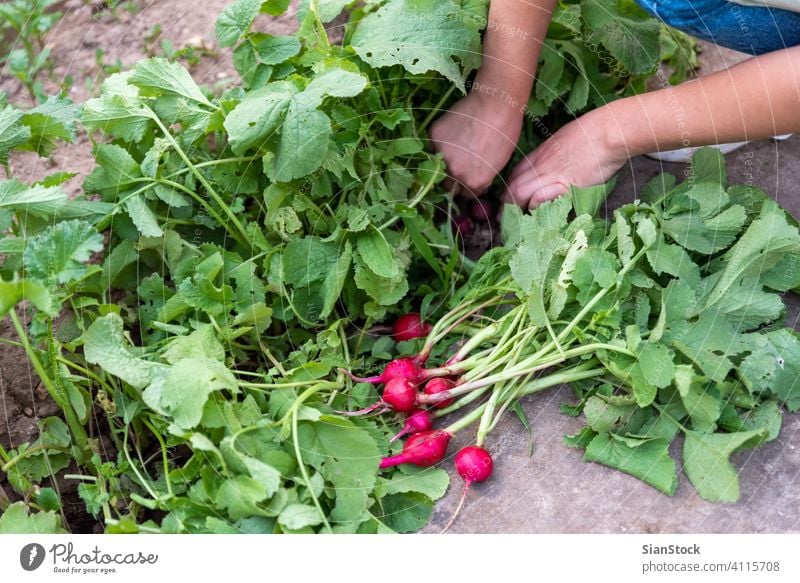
[498, 358]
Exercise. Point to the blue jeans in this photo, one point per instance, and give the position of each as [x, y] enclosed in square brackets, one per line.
[748, 29]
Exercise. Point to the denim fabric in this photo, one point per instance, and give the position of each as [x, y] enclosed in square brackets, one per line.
[749, 29]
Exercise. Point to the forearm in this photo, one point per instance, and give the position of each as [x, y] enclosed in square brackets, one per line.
[512, 42]
[756, 99]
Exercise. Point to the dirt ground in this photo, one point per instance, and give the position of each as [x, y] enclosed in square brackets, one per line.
[128, 34]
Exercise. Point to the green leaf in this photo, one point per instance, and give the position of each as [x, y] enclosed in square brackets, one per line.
[646, 459]
[588, 200]
[119, 111]
[603, 416]
[116, 171]
[406, 512]
[50, 122]
[377, 254]
[11, 292]
[708, 165]
[59, 253]
[106, 346]
[274, 50]
[709, 342]
[625, 245]
[766, 416]
[774, 365]
[258, 116]
[330, 9]
[646, 230]
[703, 407]
[297, 516]
[432, 482]
[305, 134]
[159, 77]
[627, 31]
[308, 260]
[235, 20]
[334, 282]
[188, 385]
[673, 260]
[656, 362]
[240, 496]
[707, 464]
[16, 520]
[351, 465]
[37, 200]
[384, 291]
[143, 216]
[765, 241]
[12, 132]
[420, 35]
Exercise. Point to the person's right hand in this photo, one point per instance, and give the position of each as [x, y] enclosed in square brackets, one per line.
[476, 137]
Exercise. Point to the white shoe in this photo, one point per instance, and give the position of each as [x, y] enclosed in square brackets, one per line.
[684, 155]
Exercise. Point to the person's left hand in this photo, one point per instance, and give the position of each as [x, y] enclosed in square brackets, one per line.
[580, 153]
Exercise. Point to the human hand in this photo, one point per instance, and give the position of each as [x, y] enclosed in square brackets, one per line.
[580, 153]
[476, 137]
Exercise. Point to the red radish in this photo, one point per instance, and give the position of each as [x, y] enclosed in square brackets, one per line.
[419, 420]
[481, 211]
[400, 394]
[408, 368]
[404, 368]
[473, 464]
[421, 449]
[463, 225]
[410, 326]
[439, 385]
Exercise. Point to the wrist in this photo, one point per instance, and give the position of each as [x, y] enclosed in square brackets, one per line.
[617, 134]
[501, 101]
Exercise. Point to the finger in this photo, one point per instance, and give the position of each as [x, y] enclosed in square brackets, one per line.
[518, 194]
[545, 193]
[524, 165]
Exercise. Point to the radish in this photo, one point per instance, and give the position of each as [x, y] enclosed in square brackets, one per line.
[481, 211]
[418, 420]
[400, 394]
[421, 449]
[463, 225]
[410, 326]
[436, 386]
[404, 368]
[473, 464]
[410, 369]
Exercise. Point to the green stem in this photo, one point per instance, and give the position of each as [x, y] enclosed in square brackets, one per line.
[299, 455]
[534, 387]
[522, 369]
[436, 109]
[164, 454]
[486, 416]
[4, 453]
[142, 481]
[202, 179]
[671, 418]
[423, 191]
[80, 437]
[30, 451]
